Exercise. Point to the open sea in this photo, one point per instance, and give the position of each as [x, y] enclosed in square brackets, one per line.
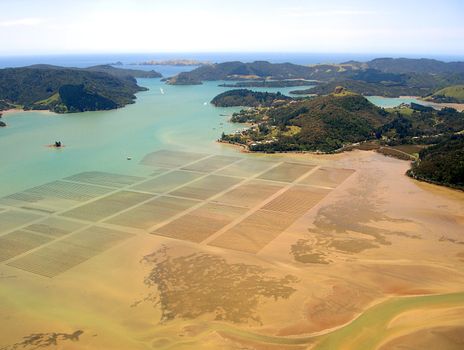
[164, 117]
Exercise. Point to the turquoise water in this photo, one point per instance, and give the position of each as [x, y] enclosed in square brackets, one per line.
[179, 119]
[387, 102]
[182, 118]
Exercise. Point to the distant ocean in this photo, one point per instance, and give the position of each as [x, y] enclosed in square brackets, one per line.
[85, 60]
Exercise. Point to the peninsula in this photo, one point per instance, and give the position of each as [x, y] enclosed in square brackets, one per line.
[344, 120]
[67, 90]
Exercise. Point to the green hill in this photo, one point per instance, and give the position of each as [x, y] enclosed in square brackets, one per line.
[451, 94]
[390, 77]
[77, 98]
[442, 163]
[375, 83]
[107, 68]
[333, 122]
[122, 72]
[244, 97]
[366, 89]
[412, 65]
[258, 70]
[321, 124]
[57, 88]
[270, 83]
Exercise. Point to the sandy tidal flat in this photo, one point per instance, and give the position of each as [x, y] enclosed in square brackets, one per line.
[375, 261]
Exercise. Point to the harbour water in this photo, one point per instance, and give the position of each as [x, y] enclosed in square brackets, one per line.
[164, 117]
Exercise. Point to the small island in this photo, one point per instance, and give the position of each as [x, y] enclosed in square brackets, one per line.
[244, 97]
[174, 62]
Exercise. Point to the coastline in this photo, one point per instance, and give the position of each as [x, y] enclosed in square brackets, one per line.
[410, 174]
[243, 149]
[238, 146]
[457, 106]
[12, 111]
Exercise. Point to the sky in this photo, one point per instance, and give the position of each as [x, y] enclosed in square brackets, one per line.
[30, 27]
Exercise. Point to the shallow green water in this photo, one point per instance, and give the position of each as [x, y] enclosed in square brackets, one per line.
[182, 118]
[390, 102]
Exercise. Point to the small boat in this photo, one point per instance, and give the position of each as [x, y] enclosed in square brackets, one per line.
[162, 91]
[205, 103]
[129, 158]
[56, 144]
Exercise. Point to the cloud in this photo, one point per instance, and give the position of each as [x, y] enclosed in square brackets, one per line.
[21, 22]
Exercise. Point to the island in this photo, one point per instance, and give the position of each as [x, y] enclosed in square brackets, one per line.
[174, 62]
[343, 121]
[244, 97]
[68, 90]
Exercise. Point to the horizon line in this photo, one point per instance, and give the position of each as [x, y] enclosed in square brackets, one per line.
[97, 53]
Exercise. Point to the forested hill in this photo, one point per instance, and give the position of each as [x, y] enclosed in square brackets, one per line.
[333, 122]
[106, 68]
[65, 90]
[254, 70]
[324, 123]
[442, 163]
[344, 120]
[411, 65]
[121, 72]
[248, 98]
[374, 83]
[390, 77]
[450, 94]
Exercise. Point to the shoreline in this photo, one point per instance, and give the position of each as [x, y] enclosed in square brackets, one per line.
[410, 174]
[12, 111]
[242, 149]
[457, 106]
